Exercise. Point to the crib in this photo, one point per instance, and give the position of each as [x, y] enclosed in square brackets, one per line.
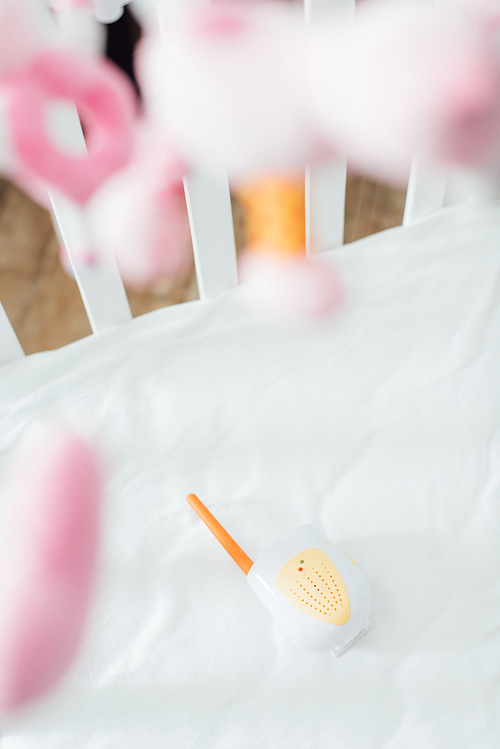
[381, 428]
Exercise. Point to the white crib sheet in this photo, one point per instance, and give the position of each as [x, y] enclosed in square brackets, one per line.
[383, 431]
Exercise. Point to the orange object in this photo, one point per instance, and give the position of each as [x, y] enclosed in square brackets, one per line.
[274, 209]
[236, 552]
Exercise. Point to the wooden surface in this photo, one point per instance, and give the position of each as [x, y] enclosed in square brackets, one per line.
[43, 302]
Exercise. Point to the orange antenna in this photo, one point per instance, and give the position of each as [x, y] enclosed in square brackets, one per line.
[236, 552]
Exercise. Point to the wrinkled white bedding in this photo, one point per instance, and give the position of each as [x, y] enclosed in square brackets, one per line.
[383, 431]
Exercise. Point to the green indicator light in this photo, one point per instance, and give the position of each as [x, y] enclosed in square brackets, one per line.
[301, 561]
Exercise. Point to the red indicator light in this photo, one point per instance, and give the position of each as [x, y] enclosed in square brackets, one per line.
[300, 569]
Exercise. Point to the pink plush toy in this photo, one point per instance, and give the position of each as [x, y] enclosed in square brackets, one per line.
[48, 563]
[35, 73]
[139, 216]
[105, 101]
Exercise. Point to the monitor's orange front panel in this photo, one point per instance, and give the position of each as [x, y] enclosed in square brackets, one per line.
[313, 584]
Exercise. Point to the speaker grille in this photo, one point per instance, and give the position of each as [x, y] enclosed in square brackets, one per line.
[313, 584]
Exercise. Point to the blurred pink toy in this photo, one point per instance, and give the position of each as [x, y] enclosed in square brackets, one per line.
[297, 292]
[139, 216]
[404, 79]
[36, 72]
[228, 82]
[48, 564]
[278, 281]
[105, 101]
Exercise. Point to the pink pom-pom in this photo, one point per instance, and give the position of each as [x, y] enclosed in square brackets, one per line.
[49, 564]
[295, 291]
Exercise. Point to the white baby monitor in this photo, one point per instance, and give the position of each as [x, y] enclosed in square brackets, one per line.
[318, 595]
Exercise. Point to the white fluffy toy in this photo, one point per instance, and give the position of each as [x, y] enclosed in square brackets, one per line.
[405, 79]
[228, 82]
[246, 87]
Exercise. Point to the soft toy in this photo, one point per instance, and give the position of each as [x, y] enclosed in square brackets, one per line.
[106, 105]
[279, 281]
[248, 88]
[48, 563]
[140, 216]
[401, 80]
[36, 73]
[228, 84]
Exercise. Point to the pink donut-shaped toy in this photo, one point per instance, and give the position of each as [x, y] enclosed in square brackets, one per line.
[105, 102]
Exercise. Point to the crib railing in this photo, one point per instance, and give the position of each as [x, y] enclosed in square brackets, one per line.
[101, 287]
[212, 234]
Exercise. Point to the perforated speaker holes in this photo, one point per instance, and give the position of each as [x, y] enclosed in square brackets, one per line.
[332, 588]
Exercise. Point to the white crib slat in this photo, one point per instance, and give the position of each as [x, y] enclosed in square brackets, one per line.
[210, 218]
[77, 28]
[10, 348]
[325, 206]
[426, 186]
[101, 287]
[325, 184]
[426, 191]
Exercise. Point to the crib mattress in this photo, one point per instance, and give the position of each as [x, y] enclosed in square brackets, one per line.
[382, 430]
